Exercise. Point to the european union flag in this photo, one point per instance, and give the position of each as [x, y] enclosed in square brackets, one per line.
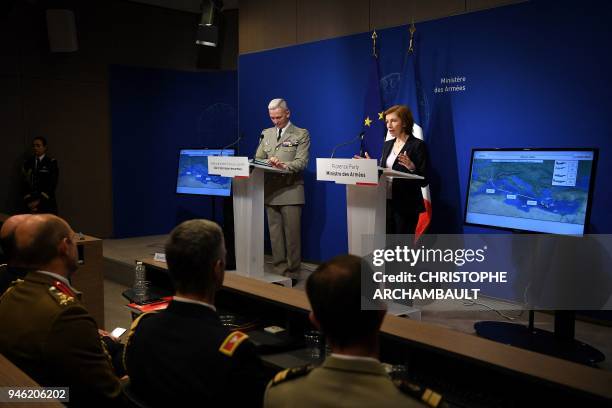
[373, 120]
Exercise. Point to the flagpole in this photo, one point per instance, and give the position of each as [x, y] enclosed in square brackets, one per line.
[412, 30]
[374, 37]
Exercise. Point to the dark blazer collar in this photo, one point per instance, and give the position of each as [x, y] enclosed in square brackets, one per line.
[192, 310]
[389, 145]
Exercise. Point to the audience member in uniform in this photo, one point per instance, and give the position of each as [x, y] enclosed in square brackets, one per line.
[352, 375]
[44, 328]
[40, 176]
[183, 355]
[12, 270]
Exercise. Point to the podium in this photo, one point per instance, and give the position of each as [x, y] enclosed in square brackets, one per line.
[366, 206]
[249, 224]
[366, 209]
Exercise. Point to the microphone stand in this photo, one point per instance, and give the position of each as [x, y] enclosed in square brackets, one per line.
[360, 136]
[234, 143]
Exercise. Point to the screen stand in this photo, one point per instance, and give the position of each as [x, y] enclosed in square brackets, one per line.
[561, 343]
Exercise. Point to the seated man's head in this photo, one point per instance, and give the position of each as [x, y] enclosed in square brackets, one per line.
[7, 237]
[195, 253]
[46, 242]
[334, 291]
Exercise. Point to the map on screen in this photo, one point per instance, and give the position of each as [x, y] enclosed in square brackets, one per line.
[193, 177]
[532, 190]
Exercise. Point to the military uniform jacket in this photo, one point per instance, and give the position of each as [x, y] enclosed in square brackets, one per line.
[338, 383]
[184, 356]
[48, 334]
[293, 149]
[406, 193]
[9, 274]
[40, 182]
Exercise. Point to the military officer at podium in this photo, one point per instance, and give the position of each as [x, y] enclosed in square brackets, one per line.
[284, 146]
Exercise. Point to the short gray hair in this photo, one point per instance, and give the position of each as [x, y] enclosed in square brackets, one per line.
[278, 103]
[192, 250]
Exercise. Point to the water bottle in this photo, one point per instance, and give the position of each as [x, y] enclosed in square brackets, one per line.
[140, 284]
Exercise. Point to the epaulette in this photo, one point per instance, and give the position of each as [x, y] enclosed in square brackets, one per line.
[12, 286]
[231, 343]
[131, 333]
[135, 324]
[429, 397]
[291, 374]
[62, 294]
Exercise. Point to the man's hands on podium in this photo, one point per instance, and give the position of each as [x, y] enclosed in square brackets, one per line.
[274, 161]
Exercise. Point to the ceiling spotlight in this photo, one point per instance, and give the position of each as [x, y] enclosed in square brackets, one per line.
[208, 27]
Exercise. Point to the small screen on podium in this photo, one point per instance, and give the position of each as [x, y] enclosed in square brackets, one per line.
[193, 177]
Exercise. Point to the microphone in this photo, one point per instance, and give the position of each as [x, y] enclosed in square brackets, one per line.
[360, 136]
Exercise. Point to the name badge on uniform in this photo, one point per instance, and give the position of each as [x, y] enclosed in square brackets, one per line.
[289, 144]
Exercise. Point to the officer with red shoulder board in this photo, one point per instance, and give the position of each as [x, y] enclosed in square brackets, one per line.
[184, 353]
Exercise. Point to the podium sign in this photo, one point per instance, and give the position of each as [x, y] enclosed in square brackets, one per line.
[228, 166]
[348, 171]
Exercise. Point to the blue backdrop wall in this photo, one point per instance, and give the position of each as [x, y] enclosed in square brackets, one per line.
[155, 113]
[536, 75]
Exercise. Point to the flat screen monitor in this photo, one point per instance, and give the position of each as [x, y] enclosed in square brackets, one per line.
[536, 190]
[193, 177]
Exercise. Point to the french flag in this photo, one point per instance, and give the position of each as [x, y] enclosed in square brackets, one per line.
[408, 95]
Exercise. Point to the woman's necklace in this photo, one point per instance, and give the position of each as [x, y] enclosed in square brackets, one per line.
[397, 147]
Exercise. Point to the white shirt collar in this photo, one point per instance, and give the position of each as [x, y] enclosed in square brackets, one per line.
[60, 278]
[41, 157]
[195, 302]
[354, 358]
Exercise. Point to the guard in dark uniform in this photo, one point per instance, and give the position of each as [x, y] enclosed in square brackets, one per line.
[183, 355]
[40, 175]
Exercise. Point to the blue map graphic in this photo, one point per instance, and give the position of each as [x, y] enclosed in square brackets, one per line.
[193, 172]
[544, 190]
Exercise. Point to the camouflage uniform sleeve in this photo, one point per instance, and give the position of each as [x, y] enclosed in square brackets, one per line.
[73, 347]
[302, 154]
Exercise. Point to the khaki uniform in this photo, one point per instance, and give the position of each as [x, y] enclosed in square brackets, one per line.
[337, 383]
[284, 193]
[47, 333]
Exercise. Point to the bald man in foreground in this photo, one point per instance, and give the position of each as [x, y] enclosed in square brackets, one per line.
[12, 270]
[44, 328]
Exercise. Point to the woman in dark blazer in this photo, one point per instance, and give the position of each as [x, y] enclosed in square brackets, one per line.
[407, 154]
